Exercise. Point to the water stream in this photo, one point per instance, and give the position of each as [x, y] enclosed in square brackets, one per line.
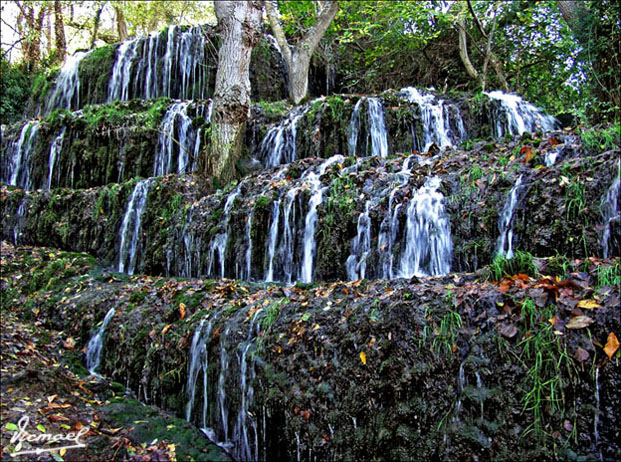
[95, 344]
[131, 226]
[504, 244]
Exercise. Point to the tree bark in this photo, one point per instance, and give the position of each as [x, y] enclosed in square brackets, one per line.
[121, 25]
[239, 23]
[572, 12]
[297, 58]
[59, 32]
[463, 52]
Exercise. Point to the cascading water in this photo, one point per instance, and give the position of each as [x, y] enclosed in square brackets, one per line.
[516, 116]
[436, 116]
[198, 363]
[376, 129]
[272, 240]
[95, 344]
[21, 152]
[175, 133]
[245, 449]
[278, 145]
[218, 244]
[389, 227]
[66, 93]
[610, 212]
[428, 247]
[310, 222]
[121, 72]
[55, 150]
[131, 226]
[172, 64]
[360, 248]
[504, 244]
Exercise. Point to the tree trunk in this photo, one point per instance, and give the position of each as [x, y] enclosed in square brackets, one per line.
[297, 58]
[121, 25]
[239, 23]
[572, 12]
[59, 32]
[463, 52]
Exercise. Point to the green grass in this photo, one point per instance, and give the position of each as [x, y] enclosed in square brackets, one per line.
[609, 275]
[601, 139]
[522, 262]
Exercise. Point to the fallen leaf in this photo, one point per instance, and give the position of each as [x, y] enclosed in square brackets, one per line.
[508, 330]
[363, 357]
[588, 304]
[69, 344]
[581, 354]
[579, 322]
[181, 311]
[612, 345]
[165, 329]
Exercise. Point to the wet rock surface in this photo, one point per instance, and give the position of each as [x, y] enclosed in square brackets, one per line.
[446, 367]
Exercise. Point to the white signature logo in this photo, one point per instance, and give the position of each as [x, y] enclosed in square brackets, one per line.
[22, 435]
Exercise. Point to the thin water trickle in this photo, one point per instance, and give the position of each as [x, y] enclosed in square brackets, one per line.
[131, 226]
[20, 153]
[55, 150]
[95, 344]
[360, 247]
[272, 240]
[219, 242]
[377, 133]
[504, 244]
[610, 212]
[279, 144]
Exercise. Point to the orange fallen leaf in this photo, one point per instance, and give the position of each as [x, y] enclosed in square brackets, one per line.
[165, 329]
[612, 345]
[181, 311]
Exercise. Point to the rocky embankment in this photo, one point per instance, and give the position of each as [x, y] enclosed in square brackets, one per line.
[516, 361]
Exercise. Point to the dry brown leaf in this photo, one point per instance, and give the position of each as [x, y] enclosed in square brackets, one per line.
[588, 304]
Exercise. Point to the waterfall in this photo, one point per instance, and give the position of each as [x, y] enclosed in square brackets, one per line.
[248, 272]
[436, 116]
[360, 247]
[241, 435]
[389, 227]
[121, 72]
[354, 127]
[428, 247]
[175, 136]
[172, 63]
[278, 145]
[198, 363]
[55, 149]
[20, 222]
[272, 240]
[376, 128]
[218, 244]
[515, 116]
[287, 247]
[95, 344]
[610, 212]
[130, 228]
[66, 93]
[310, 222]
[221, 400]
[20, 152]
[504, 244]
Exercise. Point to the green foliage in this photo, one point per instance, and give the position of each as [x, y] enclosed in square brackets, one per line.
[522, 262]
[15, 90]
[599, 139]
[546, 358]
[575, 198]
[609, 275]
[274, 109]
[340, 203]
